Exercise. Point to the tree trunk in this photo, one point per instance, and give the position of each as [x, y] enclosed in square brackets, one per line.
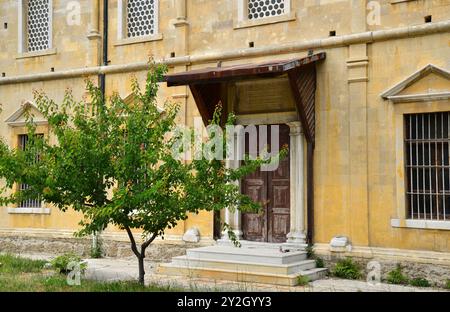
[141, 270]
[140, 255]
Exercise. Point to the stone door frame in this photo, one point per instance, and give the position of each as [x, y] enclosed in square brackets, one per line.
[297, 234]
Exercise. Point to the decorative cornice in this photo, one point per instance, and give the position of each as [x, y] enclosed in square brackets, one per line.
[425, 97]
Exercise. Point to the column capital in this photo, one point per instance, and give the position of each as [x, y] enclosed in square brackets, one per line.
[295, 127]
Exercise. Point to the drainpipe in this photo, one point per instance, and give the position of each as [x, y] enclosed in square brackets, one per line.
[105, 62]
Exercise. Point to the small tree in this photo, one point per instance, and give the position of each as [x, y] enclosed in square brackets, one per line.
[114, 163]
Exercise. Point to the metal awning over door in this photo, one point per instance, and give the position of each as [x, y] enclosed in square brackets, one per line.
[207, 85]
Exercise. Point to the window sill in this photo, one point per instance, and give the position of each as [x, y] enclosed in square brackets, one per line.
[37, 211]
[266, 21]
[143, 39]
[36, 54]
[400, 1]
[421, 224]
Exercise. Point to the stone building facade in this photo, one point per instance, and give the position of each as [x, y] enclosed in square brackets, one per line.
[359, 174]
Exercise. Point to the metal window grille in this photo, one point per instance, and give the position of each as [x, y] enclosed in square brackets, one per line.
[31, 202]
[38, 25]
[265, 8]
[427, 157]
[141, 18]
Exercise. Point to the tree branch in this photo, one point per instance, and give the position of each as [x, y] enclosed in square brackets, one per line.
[133, 242]
[147, 243]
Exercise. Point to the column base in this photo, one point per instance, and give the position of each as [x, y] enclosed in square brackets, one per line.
[226, 240]
[297, 239]
[93, 35]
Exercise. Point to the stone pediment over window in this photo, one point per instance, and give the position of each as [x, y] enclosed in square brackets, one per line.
[19, 117]
[430, 83]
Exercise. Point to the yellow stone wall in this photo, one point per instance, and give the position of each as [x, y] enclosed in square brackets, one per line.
[355, 157]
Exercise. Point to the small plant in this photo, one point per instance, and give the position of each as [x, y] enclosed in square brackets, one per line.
[61, 263]
[302, 280]
[320, 263]
[420, 282]
[96, 247]
[397, 277]
[310, 252]
[347, 269]
[96, 252]
[447, 284]
[231, 235]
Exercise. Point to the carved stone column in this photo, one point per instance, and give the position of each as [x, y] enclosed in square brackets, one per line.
[94, 55]
[181, 9]
[297, 234]
[94, 20]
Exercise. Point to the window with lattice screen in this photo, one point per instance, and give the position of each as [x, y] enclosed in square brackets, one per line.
[141, 18]
[37, 22]
[257, 9]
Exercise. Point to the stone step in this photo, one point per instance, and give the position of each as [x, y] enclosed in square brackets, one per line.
[249, 255]
[235, 265]
[231, 275]
[277, 246]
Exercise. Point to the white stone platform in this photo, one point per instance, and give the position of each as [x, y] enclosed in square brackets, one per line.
[253, 263]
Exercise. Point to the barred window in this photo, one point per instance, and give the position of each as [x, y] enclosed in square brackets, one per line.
[427, 157]
[31, 202]
[266, 8]
[38, 25]
[141, 18]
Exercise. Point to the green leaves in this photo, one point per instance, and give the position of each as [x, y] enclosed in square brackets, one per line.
[347, 269]
[114, 163]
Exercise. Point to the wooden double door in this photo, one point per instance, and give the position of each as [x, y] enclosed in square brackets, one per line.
[272, 190]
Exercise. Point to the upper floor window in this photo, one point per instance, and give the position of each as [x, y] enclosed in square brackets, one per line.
[260, 12]
[266, 8]
[427, 157]
[38, 25]
[137, 18]
[35, 25]
[141, 18]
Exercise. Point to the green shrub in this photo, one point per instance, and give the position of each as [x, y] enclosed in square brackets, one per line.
[61, 263]
[302, 280]
[447, 284]
[397, 277]
[310, 252]
[420, 282]
[97, 249]
[347, 269]
[320, 263]
[96, 253]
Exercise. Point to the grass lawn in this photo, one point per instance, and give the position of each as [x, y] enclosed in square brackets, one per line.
[25, 275]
